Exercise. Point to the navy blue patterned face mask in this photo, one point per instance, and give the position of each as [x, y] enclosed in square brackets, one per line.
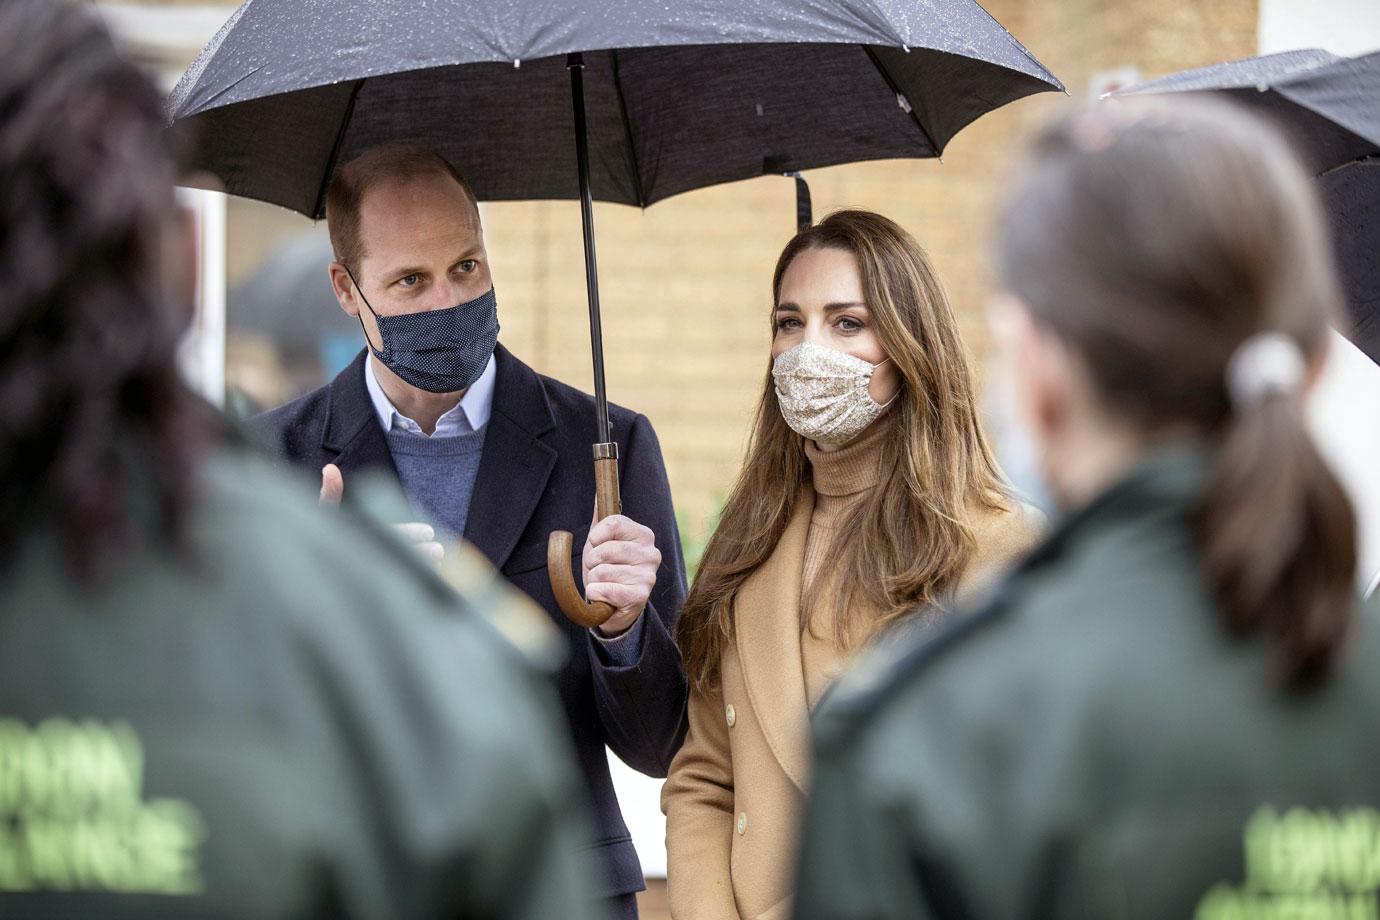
[440, 351]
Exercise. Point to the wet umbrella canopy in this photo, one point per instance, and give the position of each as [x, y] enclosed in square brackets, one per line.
[1329, 107]
[628, 101]
[1352, 195]
[696, 94]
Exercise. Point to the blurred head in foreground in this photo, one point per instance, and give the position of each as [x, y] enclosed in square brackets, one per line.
[95, 277]
[1166, 277]
[231, 715]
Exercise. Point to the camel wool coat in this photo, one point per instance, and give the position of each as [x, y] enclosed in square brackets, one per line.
[736, 791]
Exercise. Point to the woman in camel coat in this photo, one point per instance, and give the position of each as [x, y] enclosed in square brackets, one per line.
[869, 496]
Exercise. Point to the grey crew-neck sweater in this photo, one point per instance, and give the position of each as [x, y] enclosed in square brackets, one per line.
[438, 474]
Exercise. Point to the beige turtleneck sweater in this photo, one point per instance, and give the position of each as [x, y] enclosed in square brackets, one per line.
[842, 479]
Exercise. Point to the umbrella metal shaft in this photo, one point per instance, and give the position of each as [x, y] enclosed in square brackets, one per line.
[576, 65]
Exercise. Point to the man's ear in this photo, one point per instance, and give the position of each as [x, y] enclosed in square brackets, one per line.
[1036, 361]
[1049, 382]
[344, 289]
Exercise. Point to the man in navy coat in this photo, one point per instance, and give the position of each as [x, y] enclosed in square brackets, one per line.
[488, 449]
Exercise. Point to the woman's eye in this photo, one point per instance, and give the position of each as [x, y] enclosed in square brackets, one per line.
[788, 322]
[468, 266]
[849, 324]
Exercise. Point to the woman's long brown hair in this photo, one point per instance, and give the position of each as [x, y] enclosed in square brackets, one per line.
[1154, 238]
[910, 539]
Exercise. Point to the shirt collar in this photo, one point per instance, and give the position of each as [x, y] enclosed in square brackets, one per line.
[470, 414]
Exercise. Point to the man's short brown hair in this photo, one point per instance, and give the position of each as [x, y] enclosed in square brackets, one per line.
[355, 178]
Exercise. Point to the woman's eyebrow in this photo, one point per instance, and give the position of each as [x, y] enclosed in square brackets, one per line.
[828, 308]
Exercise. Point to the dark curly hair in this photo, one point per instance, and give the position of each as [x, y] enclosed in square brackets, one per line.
[98, 438]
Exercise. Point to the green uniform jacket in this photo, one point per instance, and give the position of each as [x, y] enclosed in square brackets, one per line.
[300, 721]
[1094, 744]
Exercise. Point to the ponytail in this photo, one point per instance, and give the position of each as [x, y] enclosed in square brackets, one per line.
[1180, 250]
[1278, 537]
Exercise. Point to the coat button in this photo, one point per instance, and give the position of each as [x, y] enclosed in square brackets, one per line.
[731, 715]
[742, 823]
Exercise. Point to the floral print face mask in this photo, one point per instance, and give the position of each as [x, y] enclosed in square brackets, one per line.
[823, 393]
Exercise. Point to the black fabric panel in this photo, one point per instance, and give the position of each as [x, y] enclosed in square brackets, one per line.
[274, 149]
[710, 114]
[1352, 195]
[948, 91]
[1320, 142]
[509, 130]
[1327, 105]
[1346, 93]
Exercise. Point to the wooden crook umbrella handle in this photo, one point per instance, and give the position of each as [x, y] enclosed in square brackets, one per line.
[607, 501]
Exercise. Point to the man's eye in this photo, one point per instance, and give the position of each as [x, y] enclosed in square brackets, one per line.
[409, 280]
[468, 266]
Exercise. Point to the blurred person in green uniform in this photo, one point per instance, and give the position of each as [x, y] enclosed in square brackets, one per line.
[185, 731]
[1169, 710]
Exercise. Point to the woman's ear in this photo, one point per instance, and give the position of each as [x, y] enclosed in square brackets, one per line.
[1034, 365]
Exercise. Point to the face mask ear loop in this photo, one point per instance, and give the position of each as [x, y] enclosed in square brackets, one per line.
[894, 396]
[370, 308]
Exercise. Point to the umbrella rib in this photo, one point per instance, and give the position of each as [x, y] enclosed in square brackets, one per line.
[335, 152]
[627, 130]
[1029, 55]
[1359, 161]
[886, 75]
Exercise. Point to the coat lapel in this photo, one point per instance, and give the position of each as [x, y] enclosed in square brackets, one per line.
[766, 621]
[516, 463]
[352, 435]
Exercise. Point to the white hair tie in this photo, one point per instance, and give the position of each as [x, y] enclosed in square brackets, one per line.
[1267, 362]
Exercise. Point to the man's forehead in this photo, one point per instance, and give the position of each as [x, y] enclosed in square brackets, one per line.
[414, 186]
[417, 212]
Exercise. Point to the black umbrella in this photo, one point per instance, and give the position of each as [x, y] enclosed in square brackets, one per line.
[1352, 194]
[1329, 107]
[663, 97]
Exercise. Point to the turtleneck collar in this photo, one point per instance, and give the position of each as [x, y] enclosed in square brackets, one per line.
[852, 468]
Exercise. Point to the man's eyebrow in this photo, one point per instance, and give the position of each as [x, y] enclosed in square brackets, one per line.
[406, 270]
[397, 273]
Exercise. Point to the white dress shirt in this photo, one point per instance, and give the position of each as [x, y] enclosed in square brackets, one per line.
[471, 413]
